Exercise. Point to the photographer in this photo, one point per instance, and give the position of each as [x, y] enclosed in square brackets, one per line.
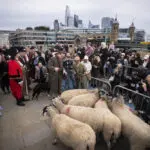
[69, 79]
[145, 85]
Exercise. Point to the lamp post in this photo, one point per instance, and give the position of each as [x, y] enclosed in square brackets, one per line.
[106, 35]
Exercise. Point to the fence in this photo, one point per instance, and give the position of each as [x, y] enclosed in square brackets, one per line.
[139, 101]
[100, 83]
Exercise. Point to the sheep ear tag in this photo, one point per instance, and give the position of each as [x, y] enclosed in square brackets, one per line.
[68, 110]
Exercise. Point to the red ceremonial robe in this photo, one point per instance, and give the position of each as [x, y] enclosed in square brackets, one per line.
[15, 76]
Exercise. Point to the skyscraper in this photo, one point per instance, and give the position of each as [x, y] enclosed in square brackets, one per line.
[56, 25]
[70, 21]
[76, 20]
[106, 23]
[90, 24]
[80, 23]
[67, 15]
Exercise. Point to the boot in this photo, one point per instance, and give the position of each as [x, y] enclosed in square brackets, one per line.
[20, 102]
[25, 100]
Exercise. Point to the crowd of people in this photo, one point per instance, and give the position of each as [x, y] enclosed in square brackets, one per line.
[64, 70]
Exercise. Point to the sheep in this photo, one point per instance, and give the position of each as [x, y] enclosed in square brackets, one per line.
[73, 133]
[135, 129]
[112, 124]
[86, 100]
[90, 116]
[69, 94]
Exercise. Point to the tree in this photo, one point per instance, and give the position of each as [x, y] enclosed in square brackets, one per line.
[42, 28]
[29, 28]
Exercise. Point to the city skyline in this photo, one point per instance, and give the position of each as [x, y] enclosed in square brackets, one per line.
[20, 14]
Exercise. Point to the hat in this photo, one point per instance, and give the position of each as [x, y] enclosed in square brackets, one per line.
[123, 54]
[13, 51]
[86, 57]
[146, 57]
[21, 49]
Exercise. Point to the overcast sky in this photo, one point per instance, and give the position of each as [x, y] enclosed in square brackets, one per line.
[22, 13]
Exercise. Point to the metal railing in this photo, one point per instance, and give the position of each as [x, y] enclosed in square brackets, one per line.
[139, 100]
[100, 83]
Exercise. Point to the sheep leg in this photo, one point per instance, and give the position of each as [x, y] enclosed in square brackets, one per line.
[107, 137]
[54, 141]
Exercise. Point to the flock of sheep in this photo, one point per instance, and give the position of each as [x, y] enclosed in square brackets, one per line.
[77, 116]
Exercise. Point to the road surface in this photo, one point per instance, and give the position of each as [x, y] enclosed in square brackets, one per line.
[24, 128]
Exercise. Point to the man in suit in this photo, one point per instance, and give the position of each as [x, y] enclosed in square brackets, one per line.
[55, 69]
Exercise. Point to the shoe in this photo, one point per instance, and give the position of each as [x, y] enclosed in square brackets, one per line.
[20, 103]
[25, 100]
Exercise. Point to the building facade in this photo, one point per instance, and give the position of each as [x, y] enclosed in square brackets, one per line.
[39, 38]
[139, 36]
[86, 30]
[148, 38]
[115, 31]
[132, 32]
[4, 38]
[56, 25]
[106, 23]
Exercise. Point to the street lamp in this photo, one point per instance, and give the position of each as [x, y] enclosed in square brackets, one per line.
[105, 35]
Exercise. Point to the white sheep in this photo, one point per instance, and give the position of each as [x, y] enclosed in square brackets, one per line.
[112, 124]
[86, 100]
[90, 116]
[69, 94]
[72, 133]
[135, 129]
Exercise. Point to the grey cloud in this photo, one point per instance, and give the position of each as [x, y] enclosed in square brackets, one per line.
[20, 13]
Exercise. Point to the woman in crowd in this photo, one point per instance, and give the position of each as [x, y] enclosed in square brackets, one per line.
[146, 63]
[115, 79]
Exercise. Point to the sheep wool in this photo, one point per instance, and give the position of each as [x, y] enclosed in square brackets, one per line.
[68, 95]
[112, 124]
[72, 133]
[135, 129]
[86, 100]
[86, 115]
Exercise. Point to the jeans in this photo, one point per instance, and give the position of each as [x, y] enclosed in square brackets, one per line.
[69, 82]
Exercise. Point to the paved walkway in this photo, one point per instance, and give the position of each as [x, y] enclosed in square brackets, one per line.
[24, 128]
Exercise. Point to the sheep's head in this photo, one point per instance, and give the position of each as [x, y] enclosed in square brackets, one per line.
[45, 109]
[50, 110]
[102, 92]
[57, 103]
[119, 100]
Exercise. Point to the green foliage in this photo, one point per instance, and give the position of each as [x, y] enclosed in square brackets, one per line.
[42, 28]
[29, 28]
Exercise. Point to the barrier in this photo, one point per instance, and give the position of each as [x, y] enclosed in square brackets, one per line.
[100, 83]
[139, 101]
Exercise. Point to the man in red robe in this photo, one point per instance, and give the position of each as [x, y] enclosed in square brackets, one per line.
[15, 78]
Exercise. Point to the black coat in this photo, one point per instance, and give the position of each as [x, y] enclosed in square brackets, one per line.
[104, 55]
